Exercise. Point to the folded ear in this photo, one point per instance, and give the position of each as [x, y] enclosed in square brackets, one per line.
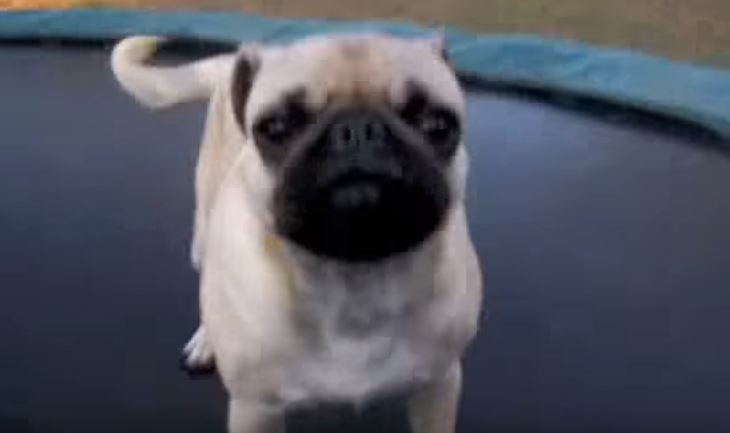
[437, 42]
[248, 60]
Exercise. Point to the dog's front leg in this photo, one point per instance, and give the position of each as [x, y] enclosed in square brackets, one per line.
[246, 416]
[433, 408]
[197, 355]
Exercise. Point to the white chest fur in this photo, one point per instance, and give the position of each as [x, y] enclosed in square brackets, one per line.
[300, 329]
[363, 331]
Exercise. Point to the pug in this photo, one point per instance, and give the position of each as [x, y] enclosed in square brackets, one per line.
[330, 234]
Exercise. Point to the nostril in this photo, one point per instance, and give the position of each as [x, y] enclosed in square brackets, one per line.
[367, 132]
[373, 132]
[347, 134]
[358, 131]
[344, 136]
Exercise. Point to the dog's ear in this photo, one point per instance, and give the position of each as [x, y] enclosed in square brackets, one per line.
[247, 63]
[437, 42]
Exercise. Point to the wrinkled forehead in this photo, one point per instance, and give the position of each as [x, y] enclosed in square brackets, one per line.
[354, 69]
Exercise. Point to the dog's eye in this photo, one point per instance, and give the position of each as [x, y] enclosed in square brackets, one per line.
[282, 124]
[274, 128]
[437, 124]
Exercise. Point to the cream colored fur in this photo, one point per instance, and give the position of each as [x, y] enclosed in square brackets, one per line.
[285, 327]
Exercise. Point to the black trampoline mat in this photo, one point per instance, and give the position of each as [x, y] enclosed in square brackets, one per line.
[606, 249]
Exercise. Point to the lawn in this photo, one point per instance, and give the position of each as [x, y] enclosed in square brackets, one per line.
[681, 29]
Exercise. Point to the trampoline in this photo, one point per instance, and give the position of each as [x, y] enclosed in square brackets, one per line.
[604, 234]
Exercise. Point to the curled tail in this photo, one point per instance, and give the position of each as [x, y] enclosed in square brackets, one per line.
[164, 86]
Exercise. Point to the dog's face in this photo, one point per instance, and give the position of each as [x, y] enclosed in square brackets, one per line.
[359, 138]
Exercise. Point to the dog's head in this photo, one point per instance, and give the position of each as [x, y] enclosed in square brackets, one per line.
[359, 138]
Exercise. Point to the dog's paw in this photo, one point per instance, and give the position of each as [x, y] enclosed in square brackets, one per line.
[197, 355]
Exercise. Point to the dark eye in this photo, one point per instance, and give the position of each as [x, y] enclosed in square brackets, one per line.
[284, 122]
[437, 124]
[276, 127]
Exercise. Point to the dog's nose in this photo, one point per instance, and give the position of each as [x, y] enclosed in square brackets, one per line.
[357, 131]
